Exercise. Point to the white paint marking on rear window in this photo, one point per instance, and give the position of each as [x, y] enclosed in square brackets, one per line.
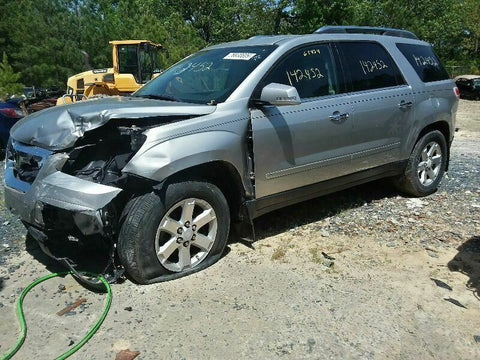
[239, 56]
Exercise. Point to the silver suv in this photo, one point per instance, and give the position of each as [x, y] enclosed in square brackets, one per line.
[228, 134]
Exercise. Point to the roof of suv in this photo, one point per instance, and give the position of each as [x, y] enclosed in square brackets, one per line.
[265, 40]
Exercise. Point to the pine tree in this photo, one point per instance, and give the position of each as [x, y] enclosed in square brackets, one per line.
[9, 84]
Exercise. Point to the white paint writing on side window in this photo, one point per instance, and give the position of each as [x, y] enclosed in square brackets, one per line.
[425, 61]
[370, 66]
[297, 75]
[239, 56]
[311, 52]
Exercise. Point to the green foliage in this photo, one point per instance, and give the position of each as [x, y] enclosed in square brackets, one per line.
[439, 22]
[44, 39]
[471, 43]
[173, 33]
[311, 15]
[9, 84]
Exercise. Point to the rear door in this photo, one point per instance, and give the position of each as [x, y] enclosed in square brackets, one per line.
[299, 145]
[382, 104]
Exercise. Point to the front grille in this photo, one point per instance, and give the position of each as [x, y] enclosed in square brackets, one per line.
[26, 166]
[24, 162]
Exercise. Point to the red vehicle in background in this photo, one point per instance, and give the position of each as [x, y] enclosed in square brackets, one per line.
[11, 111]
[37, 98]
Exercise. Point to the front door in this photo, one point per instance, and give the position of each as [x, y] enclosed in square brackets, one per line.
[298, 145]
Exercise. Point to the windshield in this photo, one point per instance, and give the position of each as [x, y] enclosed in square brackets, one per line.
[476, 83]
[207, 77]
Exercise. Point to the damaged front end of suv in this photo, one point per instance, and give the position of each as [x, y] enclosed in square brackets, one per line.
[64, 166]
[157, 177]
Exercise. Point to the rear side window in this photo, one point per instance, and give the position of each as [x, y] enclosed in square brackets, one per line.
[424, 61]
[310, 70]
[369, 66]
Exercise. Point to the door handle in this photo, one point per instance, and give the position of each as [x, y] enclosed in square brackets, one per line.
[337, 117]
[405, 104]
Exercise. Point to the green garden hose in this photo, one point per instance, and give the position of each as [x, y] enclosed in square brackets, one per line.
[23, 324]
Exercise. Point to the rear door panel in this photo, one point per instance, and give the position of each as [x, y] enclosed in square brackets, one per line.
[383, 104]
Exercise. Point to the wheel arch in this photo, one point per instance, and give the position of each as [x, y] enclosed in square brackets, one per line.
[221, 174]
[214, 156]
[444, 128]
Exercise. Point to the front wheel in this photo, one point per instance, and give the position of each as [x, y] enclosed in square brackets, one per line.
[425, 166]
[172, 234]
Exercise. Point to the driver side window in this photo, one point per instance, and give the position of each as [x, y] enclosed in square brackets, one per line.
[310, 70]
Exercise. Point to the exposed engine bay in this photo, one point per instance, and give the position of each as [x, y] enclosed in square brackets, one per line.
[101, 155]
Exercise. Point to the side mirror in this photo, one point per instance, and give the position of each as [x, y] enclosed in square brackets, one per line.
[279, 95]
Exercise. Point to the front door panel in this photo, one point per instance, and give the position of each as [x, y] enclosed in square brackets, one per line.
[300, 145]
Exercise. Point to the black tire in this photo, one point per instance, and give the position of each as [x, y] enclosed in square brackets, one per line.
[141, 231]
[411, 182]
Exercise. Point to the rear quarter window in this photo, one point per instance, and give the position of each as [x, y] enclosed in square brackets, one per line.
[369, 66]
[424, 61]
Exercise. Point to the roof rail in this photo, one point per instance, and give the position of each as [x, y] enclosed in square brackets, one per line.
[366, 30]
[260, 36]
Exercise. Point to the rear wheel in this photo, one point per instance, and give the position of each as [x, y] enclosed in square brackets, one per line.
[175, 233]
[426, 165]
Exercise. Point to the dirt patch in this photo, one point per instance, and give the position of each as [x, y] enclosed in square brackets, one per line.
[357, 274]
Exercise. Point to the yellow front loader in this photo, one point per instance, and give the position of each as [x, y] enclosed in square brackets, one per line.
[134, 63]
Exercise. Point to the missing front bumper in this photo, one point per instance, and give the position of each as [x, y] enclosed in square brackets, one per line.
[110, 271]
[56, 200]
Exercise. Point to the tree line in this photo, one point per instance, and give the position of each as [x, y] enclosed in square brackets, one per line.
[43, 39]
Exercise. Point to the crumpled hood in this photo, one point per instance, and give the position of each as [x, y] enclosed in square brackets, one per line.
[61, 126]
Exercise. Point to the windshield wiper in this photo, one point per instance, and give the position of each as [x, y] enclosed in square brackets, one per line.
[160, 97]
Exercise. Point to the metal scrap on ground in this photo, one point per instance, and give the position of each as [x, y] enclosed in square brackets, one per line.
[455, 302]
[441, 284]
[71, 307]
[127, 354]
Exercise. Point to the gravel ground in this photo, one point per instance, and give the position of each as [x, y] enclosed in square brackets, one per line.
[349, 275]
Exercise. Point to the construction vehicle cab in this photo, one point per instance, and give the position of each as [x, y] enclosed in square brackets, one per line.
[134, 63]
